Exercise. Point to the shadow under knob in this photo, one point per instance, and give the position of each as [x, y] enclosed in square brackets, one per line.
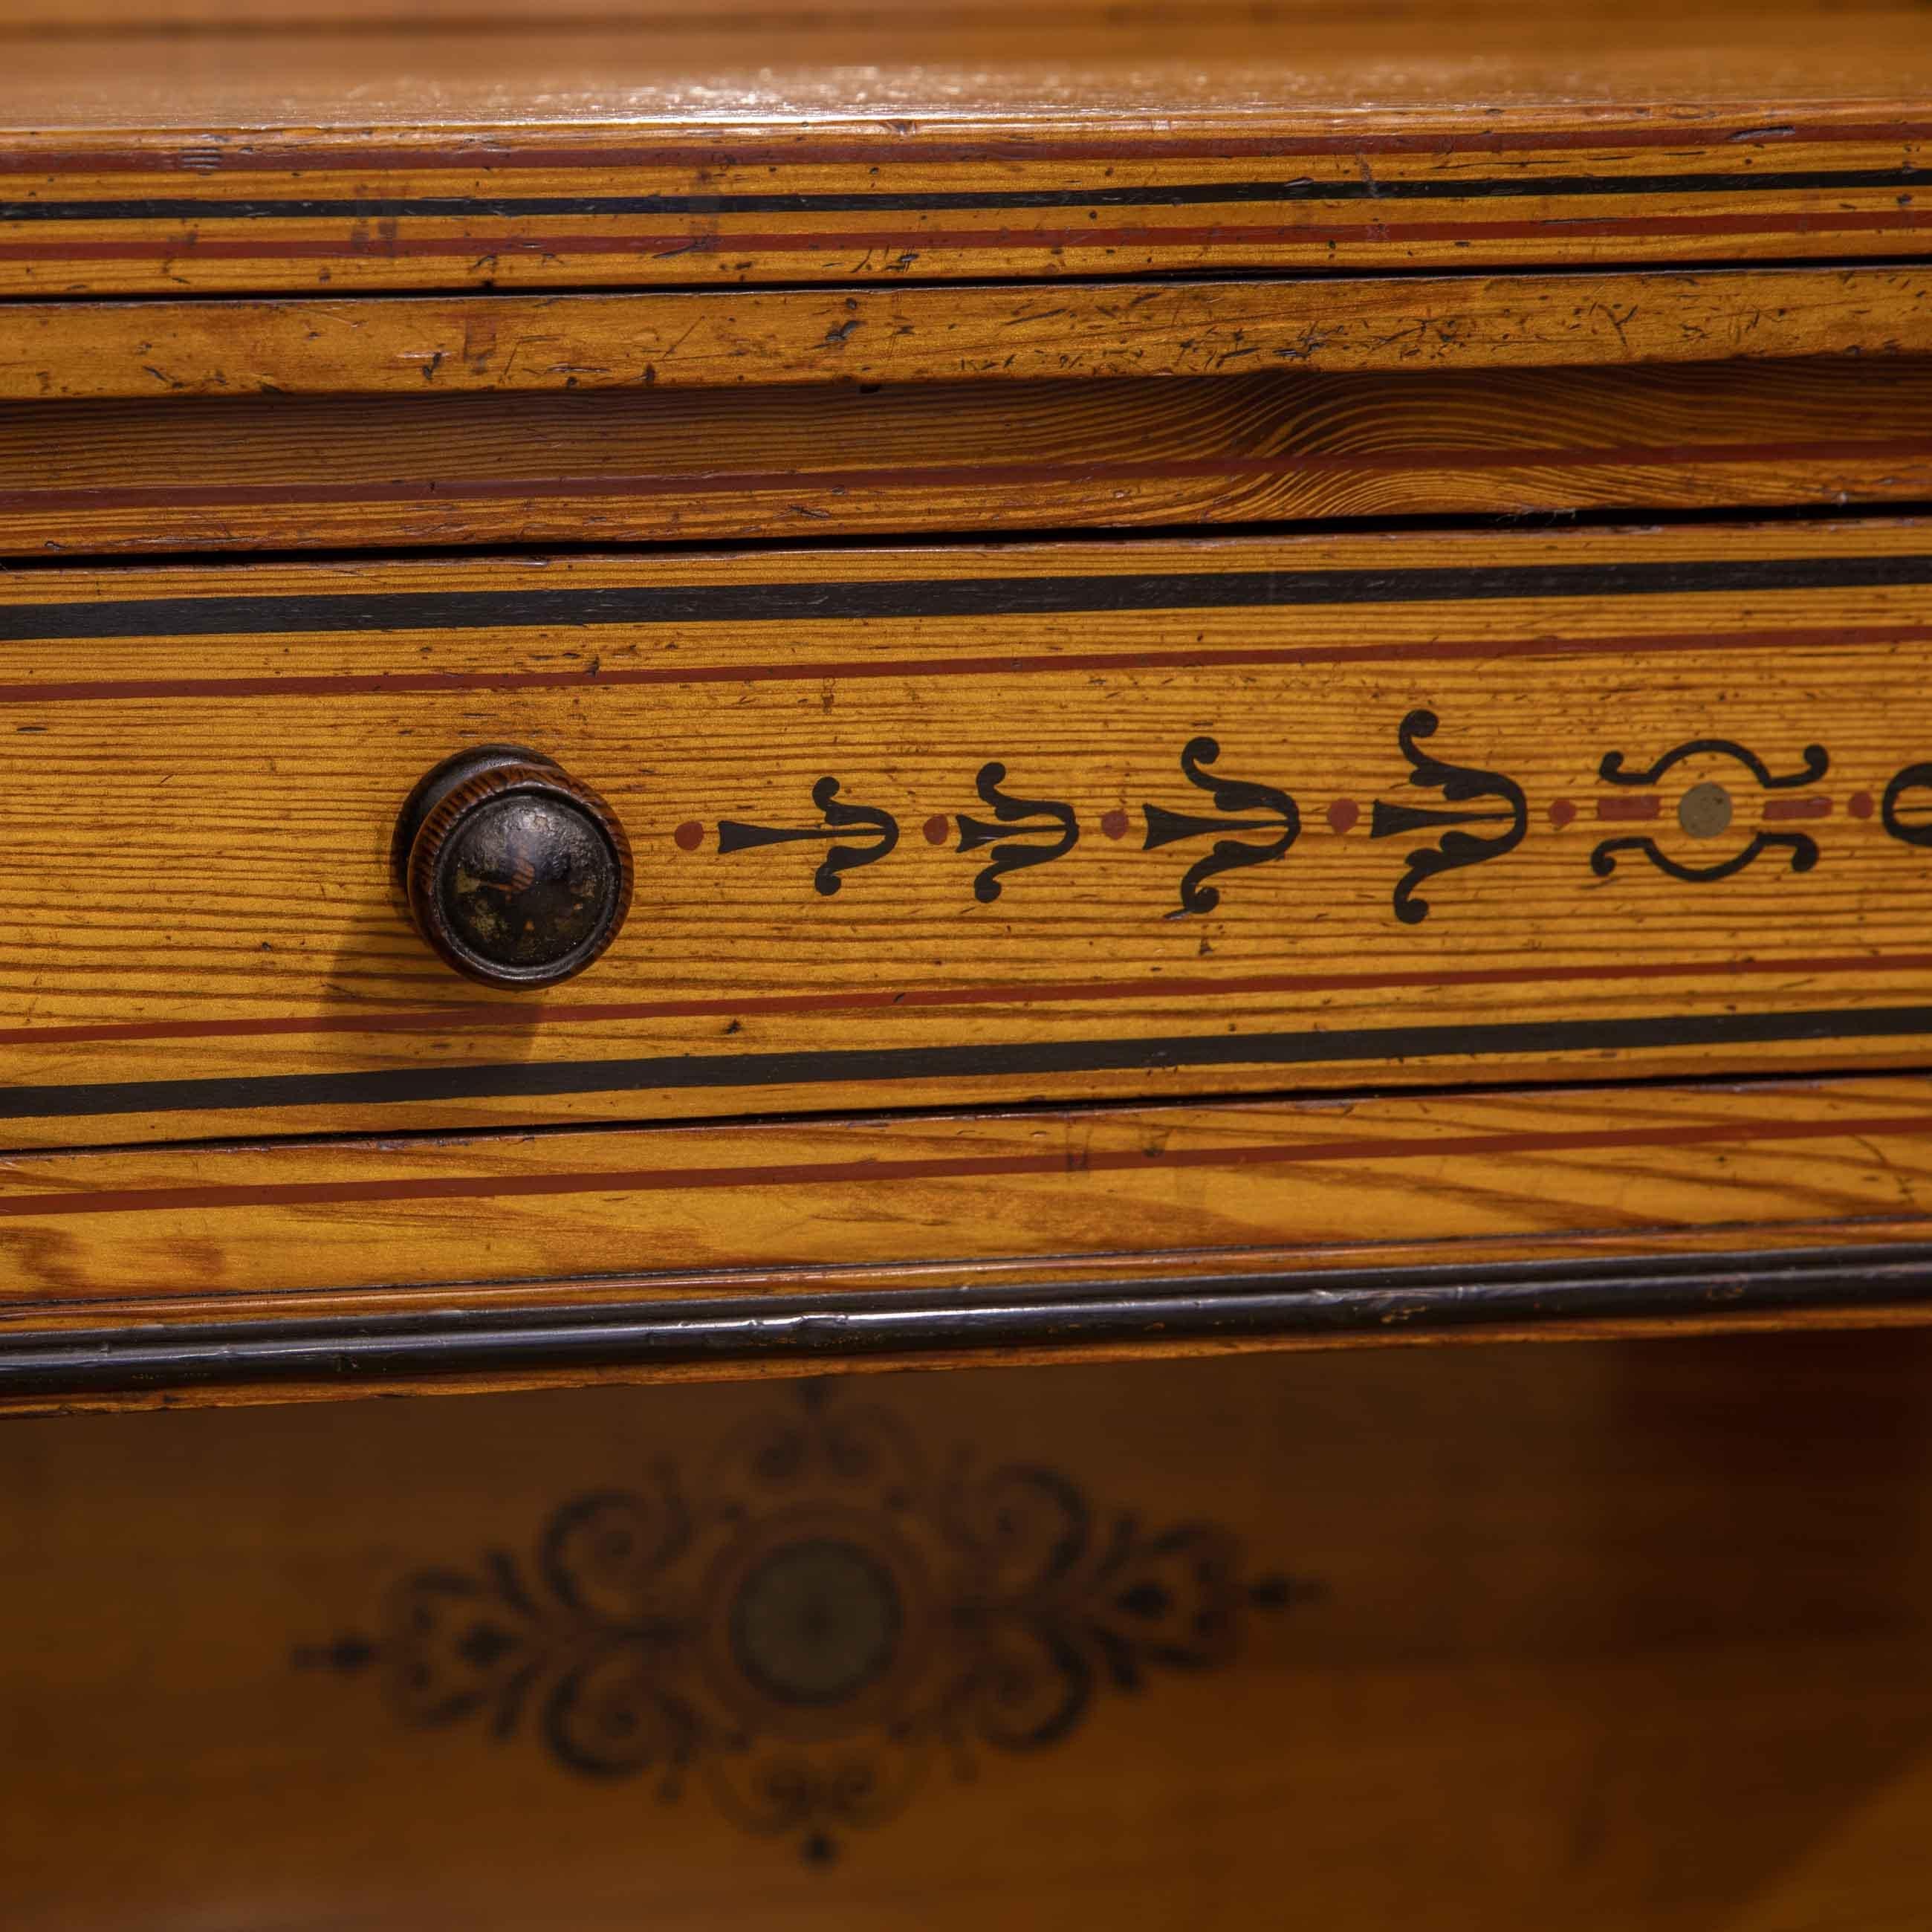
[516, 873]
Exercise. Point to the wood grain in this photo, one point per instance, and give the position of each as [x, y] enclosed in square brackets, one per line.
[33, 19]
[200, 935]
[844, 144]
[427, 346]
[1629, 1636]
[727, 465]
[1293, 1190]
[36, 19]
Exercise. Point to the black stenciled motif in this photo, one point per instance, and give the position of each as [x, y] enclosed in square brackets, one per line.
[1816, 764]
[1898, 802]
[1057, 821]
[1804, 851]
[1230, 795]
[807, 1639]
[1460, 785]
[839, 818]
[1802, 847]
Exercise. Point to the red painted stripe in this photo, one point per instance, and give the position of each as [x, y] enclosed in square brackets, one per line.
[720, 148]
[441, 490]
[821, 1173]
[380, 684]
[521, 1017]
[1635, 810]
[188, 244]
[1797, 807]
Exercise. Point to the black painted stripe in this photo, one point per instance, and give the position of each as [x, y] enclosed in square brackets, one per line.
[1010, 1060]
[729, 603]
[451, 1341]
[1189, 194]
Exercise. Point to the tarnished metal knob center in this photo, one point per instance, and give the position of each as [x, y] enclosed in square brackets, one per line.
[516, 873]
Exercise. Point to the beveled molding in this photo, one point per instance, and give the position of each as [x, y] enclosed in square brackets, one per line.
[1166, 139]
[436, 345]
[285, 1269]
[452, 1349]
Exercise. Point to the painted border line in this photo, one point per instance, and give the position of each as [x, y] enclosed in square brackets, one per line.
[1018, 1060]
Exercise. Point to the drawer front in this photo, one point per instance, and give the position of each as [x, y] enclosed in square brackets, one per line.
[979, 826]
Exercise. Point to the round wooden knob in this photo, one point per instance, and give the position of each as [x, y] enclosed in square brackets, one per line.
[517, 874]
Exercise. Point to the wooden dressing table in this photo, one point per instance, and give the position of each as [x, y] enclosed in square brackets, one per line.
[720, 695]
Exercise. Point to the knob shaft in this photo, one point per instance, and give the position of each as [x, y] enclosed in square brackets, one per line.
[516, 873]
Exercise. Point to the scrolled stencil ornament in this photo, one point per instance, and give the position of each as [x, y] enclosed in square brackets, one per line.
[811, 1629]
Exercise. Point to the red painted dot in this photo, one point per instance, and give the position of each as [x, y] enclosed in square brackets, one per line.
[1115, 824]
[1560, 812]
[689, 836]
[1859, 804]
[937, 827]
[1344, 814]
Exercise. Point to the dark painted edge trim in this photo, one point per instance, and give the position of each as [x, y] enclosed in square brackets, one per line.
[712, 146]
[1182, 194]
[454, 1342]
[985, 595]
[1036, 1059]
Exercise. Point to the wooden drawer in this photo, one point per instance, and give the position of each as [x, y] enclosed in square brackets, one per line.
[1210, 879]
[983, 825]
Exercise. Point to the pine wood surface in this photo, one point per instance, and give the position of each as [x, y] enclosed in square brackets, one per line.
[1048, 892]
[1634, 1636]
[39, 20]
[295, 1229]
[433, 345]
[727, 465]
[33, 20]
[814, 145]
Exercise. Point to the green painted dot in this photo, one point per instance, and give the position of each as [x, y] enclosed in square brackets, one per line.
[1705, 812]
